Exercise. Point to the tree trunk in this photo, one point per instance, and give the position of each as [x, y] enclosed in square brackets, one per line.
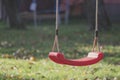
[11, 7]
[103, 19]
[0, 9]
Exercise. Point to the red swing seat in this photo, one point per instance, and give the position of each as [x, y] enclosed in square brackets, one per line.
[92, 58]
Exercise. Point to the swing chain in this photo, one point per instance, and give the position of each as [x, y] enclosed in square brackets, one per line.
[56, 44]
[95, 42]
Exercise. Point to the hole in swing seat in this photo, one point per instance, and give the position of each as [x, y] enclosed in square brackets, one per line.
[54, 56]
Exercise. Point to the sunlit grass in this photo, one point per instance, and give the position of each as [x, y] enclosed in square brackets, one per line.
[47, 70]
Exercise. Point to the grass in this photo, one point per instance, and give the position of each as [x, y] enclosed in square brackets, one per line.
[75, 41]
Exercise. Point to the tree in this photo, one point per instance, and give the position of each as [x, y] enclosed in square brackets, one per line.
[103, 19]
[11, 8]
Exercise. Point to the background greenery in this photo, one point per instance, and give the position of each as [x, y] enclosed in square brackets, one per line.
[75, 41]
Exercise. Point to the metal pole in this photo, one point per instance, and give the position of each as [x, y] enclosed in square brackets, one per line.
[33, 8]
[0, 9]
[35, 18]
[67, 12]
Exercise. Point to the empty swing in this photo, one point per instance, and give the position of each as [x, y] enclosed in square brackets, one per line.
[92, 57]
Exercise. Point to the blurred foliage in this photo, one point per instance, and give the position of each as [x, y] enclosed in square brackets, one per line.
[31, 47]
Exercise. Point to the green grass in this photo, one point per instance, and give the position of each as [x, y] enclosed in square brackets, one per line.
[75, 41]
